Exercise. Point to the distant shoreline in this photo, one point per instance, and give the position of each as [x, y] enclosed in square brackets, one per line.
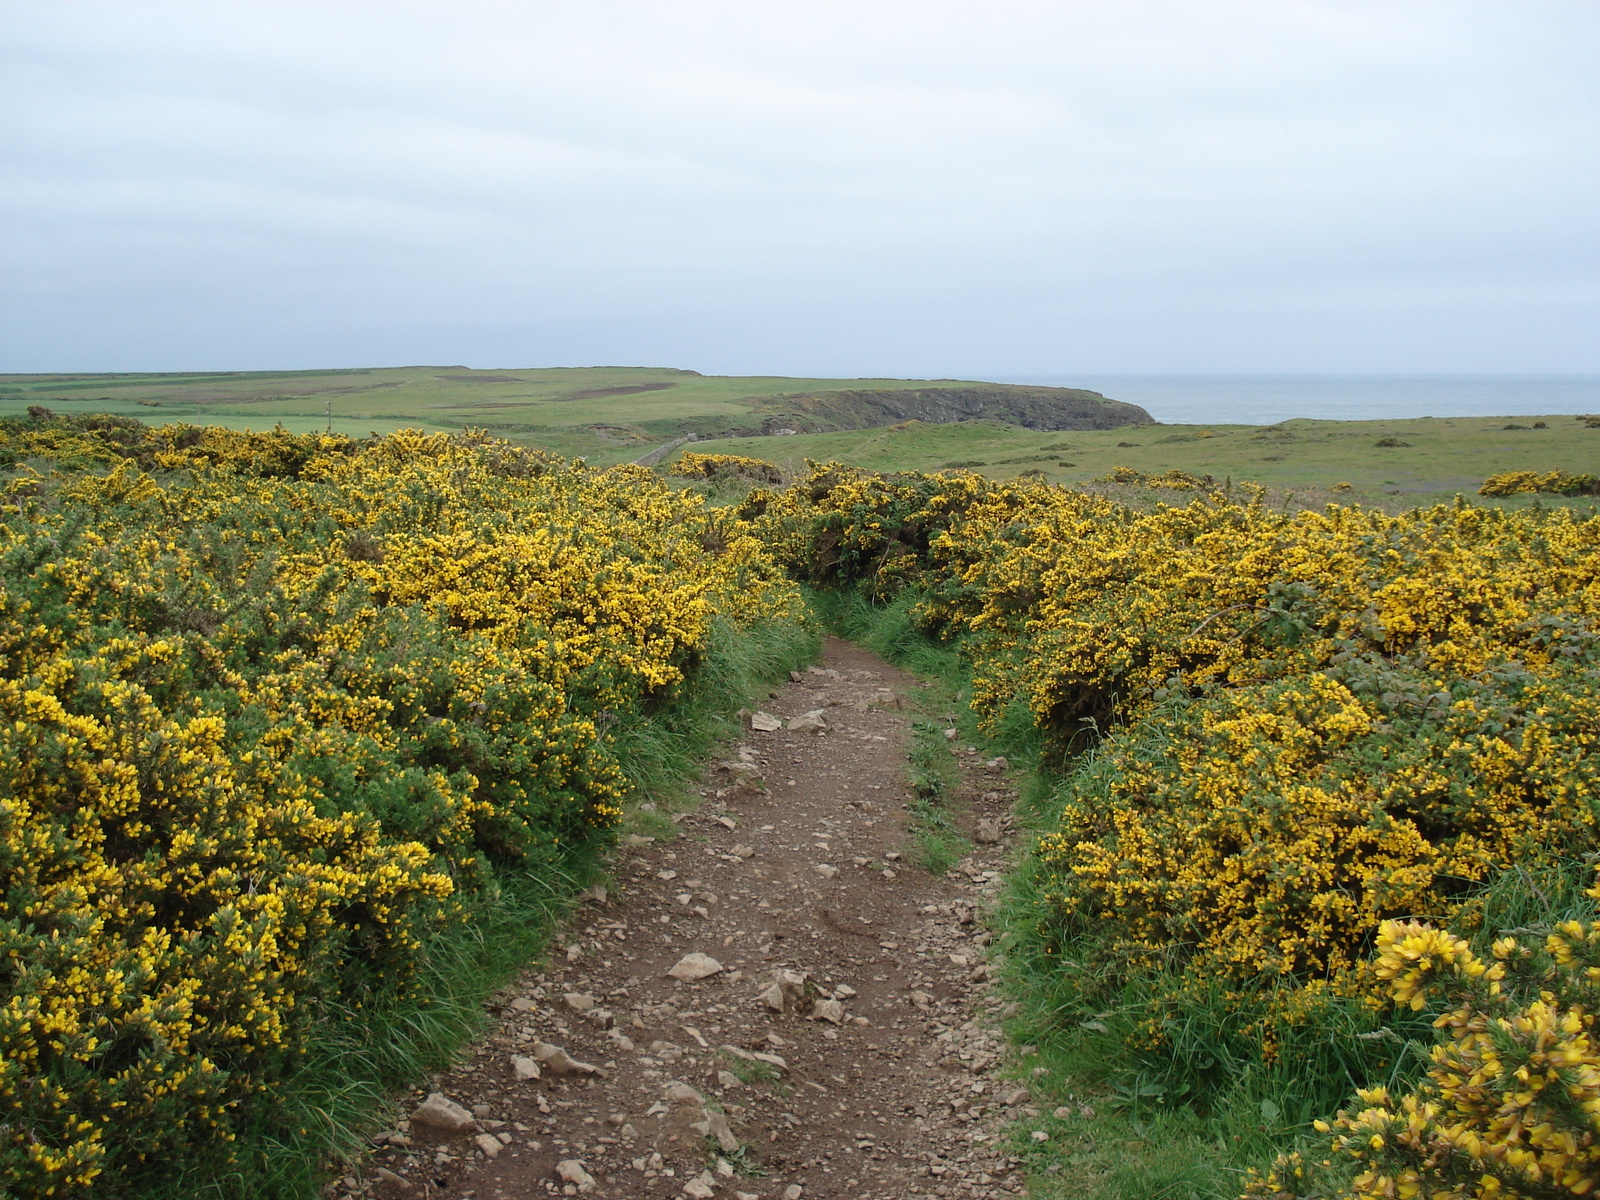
[1268, 399]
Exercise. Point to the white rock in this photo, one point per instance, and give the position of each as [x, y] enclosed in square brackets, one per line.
[695, 966]
[715, 1125]
[998, 764]
[808, 722]
[557, 1060]
[440, 1112]
[785, 992]
[578, 1002]
[793, 1192]
[489, 1144]
[828, 1010]
[571, 1171]
[988, 831]
[826, 870]
[682, 1094]
[701, 1187]
[765, 722]
[524, 1067]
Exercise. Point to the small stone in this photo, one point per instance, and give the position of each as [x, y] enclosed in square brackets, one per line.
[489, 1144]
[715, 1125]
[1014, 1098]
[682, 1093]
[597, 894]
[635, 839]
[482, 1111]
[724, 1169]
[828, 1010]
[1039, 1135]
[727, 822]
[998, 764]
[793, 1192]
[702, 1187]
[523, 1067]
[571, 1171]
[523, 1004]
[826, 870]
[765, 722]
[440, 1112]
[574, 952]
[558, 1061]
[727, 1079]
[695, 966]
[1062, 1113]
[786, 992]
[742, 851]
[951, 735]
[1010, 1010]
[384, 1175]
[579, 1002]
[809, 722]
[988, 831]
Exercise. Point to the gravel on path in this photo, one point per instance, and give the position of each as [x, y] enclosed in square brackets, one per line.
[774, 1003]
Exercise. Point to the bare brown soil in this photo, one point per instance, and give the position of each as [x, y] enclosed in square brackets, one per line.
[881, 1081]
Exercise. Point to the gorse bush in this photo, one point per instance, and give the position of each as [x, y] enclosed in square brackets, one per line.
[271, 718]
[1510, 1101]
[726, 466]
[1306, 725]
[1557, 483]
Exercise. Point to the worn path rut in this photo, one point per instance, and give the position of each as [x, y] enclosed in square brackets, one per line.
[845, 1045]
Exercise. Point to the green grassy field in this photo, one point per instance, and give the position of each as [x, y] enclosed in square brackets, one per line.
[1307, 458]
[607, 414]
[615, 414]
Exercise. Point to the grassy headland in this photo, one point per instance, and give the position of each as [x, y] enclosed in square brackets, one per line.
[605, 414]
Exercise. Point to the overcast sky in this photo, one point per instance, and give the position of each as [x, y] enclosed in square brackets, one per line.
[862, 188]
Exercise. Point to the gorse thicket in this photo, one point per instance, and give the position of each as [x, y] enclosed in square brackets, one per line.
[1300, 726]
[278, 711]
[273, 711]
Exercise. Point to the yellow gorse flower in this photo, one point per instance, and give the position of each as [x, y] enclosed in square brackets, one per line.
[272, 709]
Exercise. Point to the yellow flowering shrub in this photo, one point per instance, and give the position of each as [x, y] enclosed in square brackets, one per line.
[1559, 483]
[272, 712]
[1509, 1105]
[1306, 723]
[711, 466]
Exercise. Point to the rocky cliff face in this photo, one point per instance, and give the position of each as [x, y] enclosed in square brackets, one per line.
[1044, 408]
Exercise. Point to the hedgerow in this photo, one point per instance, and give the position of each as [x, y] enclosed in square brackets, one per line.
[274, 712]
[1304, 726]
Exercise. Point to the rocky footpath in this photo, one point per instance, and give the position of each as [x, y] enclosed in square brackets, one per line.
[771, 1001]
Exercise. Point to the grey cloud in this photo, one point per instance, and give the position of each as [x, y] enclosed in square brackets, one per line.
[925, 189]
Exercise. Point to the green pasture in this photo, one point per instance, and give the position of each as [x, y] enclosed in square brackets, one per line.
[1441, 455]
[615, 414]
[607, 414]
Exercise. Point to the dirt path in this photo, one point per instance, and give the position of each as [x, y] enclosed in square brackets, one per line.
[845, 1048]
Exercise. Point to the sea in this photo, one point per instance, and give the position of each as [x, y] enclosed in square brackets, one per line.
[1268, 399]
